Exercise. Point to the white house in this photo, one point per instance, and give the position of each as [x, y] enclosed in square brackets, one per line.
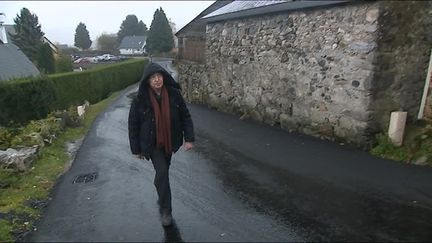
[133, 45]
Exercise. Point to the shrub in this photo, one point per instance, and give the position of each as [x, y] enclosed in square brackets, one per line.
[45, 59]
[95, 84]
[64, 64]
[73, 119]
[23, 100]
[5, 138]
[27, 99]
[37, 132]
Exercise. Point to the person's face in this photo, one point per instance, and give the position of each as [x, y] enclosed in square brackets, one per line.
[156, 81]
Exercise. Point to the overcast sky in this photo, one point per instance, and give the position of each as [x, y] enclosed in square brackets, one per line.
[59, 19]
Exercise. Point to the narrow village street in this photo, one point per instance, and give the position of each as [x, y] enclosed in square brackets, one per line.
[242, 182]
[310, 121]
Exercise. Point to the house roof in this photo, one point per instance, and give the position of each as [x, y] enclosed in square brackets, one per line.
[133, 42]
[189, 26]
[52, 45]
[9, 30]
[14, 64]
[242, 9]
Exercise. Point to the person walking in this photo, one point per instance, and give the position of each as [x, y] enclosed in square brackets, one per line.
[159, 121]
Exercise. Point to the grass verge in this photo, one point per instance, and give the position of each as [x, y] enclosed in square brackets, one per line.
[416, 148]
[23, 195]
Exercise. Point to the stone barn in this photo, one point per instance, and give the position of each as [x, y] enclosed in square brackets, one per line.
[331, 69]
[192, 37]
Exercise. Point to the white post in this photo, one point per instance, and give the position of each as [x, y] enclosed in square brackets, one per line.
[80, 110]
[426, 89]
[397, 127]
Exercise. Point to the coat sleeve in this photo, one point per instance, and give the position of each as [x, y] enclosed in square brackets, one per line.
[186, 120]
[134, 127]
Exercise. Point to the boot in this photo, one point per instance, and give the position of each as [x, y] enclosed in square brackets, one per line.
[166, 218]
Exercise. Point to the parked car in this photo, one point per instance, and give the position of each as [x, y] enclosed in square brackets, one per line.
[74, 57]
[109, 57]
[115, 58]
[82, 60]
[99, 58]
[93, 59]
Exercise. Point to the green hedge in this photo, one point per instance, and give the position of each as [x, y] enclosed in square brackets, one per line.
[28, 99]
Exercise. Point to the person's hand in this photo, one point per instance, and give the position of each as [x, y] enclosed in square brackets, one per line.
[139, 156]
[188, 146]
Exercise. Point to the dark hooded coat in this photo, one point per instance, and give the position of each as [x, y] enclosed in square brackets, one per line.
[141, 122]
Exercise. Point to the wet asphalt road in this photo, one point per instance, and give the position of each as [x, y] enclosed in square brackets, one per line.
[120, 205]
[242, 182]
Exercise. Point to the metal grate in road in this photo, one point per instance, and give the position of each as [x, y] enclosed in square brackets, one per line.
[85, 178]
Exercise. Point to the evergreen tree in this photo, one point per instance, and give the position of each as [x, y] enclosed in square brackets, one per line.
[142, 30]
[82, 37]
[45, 59]
[130, 26]
[160, 37]
[29, 36]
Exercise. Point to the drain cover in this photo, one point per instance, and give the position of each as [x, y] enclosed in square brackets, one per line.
[85, 178]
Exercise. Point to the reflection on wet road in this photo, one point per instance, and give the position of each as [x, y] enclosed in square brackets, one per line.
[206, 209]
[316, 210]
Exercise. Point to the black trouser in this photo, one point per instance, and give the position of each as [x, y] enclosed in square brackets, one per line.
[161, 164]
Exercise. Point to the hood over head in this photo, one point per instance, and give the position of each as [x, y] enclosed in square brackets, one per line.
[151, 69]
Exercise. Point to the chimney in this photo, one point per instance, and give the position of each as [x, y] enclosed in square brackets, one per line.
[3, 35]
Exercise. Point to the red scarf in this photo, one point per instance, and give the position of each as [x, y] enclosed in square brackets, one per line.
[163, 120]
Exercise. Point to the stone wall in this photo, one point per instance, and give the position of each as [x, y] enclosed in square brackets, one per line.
[402, 58]
[313, 71]
[193, 78]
